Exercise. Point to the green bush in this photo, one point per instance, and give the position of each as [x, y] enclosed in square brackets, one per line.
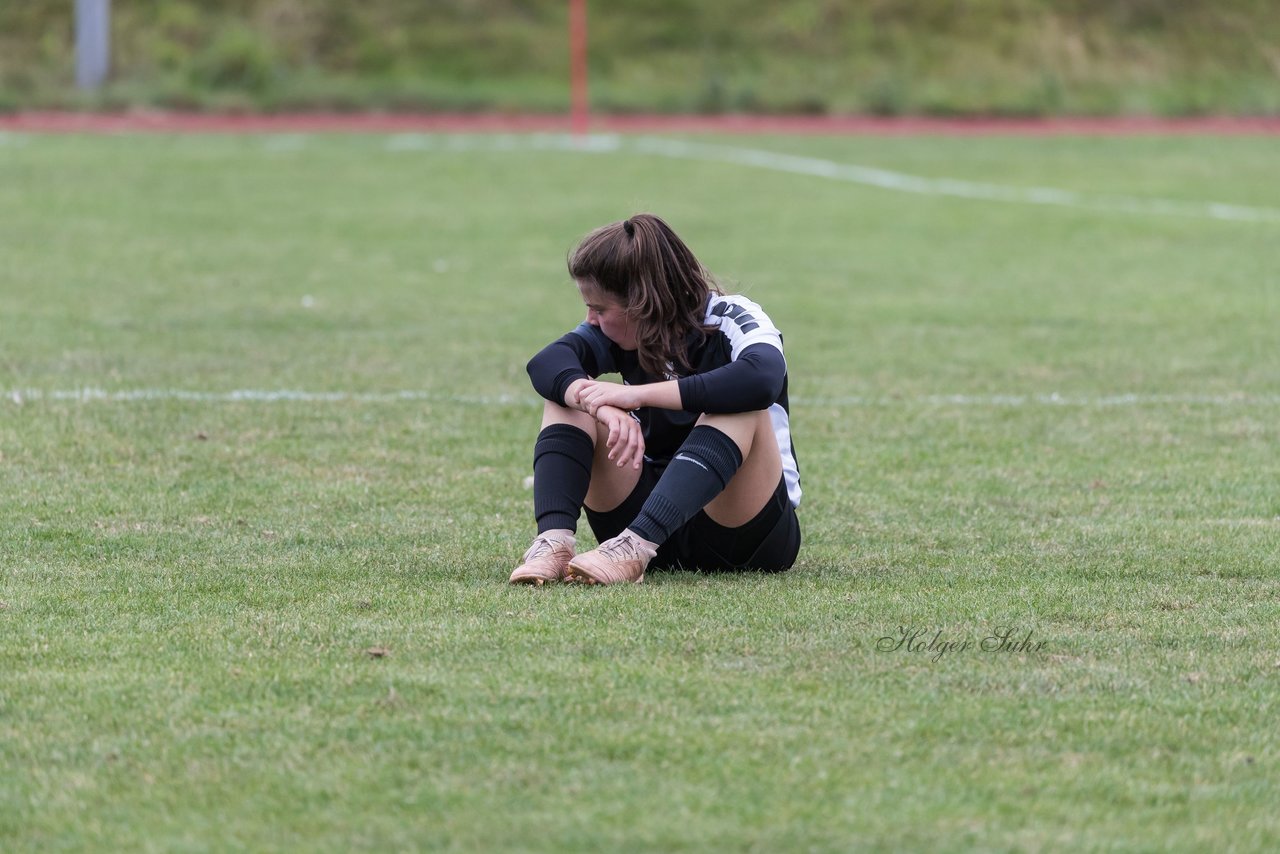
[237, 59]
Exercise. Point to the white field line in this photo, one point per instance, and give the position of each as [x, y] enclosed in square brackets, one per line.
[285, 142]
[902, 182]
[598, 143]
[90, 395]
[19, 397]
[831, 170]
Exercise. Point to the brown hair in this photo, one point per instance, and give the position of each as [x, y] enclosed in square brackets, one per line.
[661, 285]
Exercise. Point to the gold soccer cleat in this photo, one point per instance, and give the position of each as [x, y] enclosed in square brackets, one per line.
[546, 560]
[617, 561]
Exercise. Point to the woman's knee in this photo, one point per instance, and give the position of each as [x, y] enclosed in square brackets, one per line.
[741, 427]
[554, 413]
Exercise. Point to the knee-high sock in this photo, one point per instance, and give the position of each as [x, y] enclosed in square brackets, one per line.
[561, 474]
[700, 471]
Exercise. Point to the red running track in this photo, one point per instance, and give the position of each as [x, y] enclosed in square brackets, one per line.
[167, 122]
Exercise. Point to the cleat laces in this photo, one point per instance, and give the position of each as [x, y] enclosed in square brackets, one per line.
[621, 548]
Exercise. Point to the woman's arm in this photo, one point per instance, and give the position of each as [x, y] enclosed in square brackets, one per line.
[590, 395]
[751, 382]
[563, 362]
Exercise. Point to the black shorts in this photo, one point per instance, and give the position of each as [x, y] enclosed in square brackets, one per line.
[769, 542]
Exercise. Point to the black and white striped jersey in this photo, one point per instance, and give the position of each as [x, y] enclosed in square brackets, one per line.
[738, 368]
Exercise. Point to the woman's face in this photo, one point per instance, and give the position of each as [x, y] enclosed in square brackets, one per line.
[606, 312]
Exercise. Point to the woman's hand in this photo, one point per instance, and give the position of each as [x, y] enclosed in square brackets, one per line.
[592, 394]
[626, 440]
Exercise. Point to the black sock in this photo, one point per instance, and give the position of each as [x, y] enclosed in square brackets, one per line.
[700, 471]
[561, 474]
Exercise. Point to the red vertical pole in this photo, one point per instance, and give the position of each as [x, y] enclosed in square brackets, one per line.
[578, 64]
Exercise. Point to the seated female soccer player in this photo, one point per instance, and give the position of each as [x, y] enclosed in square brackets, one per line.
[689, 463]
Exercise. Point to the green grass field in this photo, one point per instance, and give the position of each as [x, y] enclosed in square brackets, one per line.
[189, 586]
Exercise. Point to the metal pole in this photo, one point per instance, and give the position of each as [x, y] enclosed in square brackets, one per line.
[93, 42]
[578, 65]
